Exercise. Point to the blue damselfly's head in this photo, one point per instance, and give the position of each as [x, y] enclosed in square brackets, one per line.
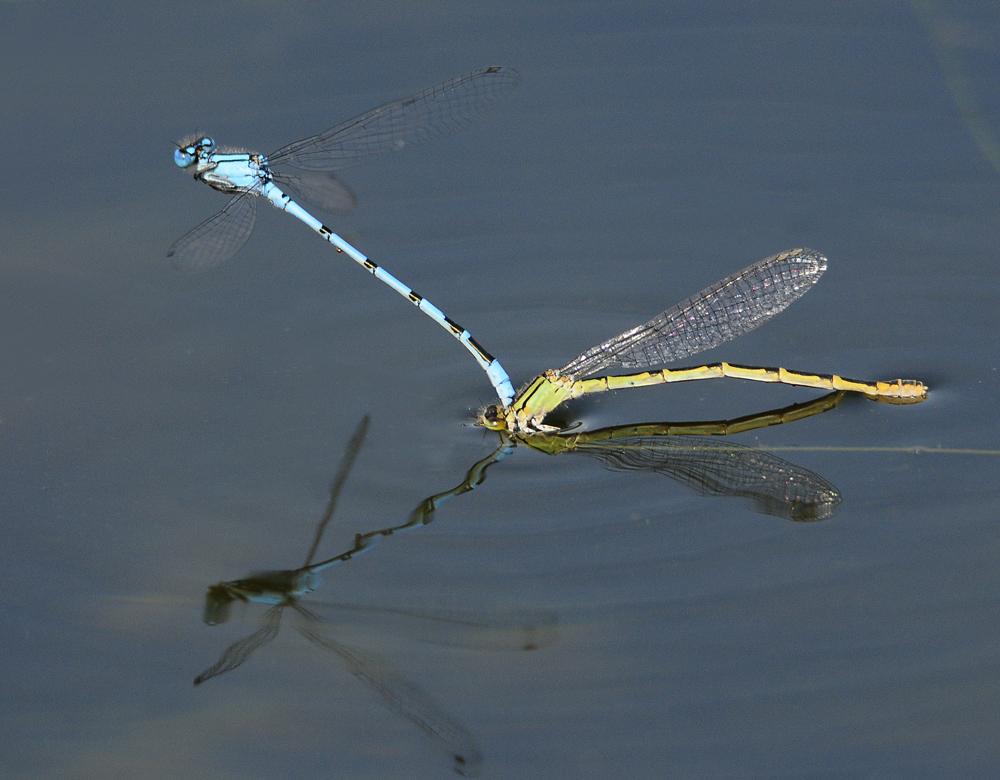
[189, 151]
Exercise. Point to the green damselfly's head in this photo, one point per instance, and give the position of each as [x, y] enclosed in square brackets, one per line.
[493, 417]
[517, 423]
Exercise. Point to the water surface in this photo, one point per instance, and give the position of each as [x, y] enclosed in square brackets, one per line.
[160, 434]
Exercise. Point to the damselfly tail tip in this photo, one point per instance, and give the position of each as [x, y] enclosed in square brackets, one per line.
[900, 391]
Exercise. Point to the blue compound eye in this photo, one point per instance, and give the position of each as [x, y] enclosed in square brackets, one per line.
[184, 157]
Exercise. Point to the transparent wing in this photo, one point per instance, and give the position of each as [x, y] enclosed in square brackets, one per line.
[217, 238]
[492, 629]
[319, 189]
[775, 486]
[419, 708]
[414, 120]
[238, 652]
[730, 308]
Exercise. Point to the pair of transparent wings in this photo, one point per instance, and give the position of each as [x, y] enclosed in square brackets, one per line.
[411, 121]
[712, 468]
[720, 313]
[517, 631]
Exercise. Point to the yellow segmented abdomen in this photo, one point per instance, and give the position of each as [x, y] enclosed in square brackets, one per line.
[895, 391]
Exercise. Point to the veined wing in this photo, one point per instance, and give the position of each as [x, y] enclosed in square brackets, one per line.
[414, 120]
[409, 701]
[727, 309]
[490, 628]
[319, 189]
[238, 652]
[217, 238]
[714, 468]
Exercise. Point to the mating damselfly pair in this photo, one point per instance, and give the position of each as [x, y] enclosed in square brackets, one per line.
[724, 311]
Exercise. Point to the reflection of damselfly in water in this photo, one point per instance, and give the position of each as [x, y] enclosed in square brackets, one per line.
[485, 630]
[727, 309]
[691, 454]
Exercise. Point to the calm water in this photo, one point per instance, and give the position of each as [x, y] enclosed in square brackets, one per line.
[160, 434]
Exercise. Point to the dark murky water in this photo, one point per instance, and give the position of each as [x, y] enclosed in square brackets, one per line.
[160, 434]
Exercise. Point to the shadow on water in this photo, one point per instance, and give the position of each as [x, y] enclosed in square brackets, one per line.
[498, 630]
[677, 450]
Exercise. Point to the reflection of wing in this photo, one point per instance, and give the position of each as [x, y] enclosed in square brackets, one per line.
[346, 464]
[484, 629]
[240, 651]
[712, 468]
[217, 238]
[409, 701]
